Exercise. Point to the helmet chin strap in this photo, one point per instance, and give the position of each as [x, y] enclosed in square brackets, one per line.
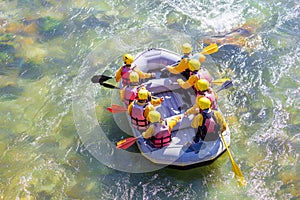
[142, 101]
[208, 110]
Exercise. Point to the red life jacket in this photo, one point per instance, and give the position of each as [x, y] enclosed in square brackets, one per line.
[210, 96]
[130, 94]
[209, 127]
[162, 135]
[203, 73]
[125, 75]
[137, 116]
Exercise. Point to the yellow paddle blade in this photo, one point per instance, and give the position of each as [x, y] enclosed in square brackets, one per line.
[238, 174]
[235, 168]
[220, 81]
[210, 49]
[121, 142]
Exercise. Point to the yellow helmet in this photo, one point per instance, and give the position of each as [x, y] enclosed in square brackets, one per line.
[204, 103]
[202, 84]
[143, 94]
[202, 58]
[154, 116]
[194, 64]
[186, 48]
[134, 77]
[128, 59]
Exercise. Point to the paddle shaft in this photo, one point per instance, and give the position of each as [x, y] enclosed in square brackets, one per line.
[237, 171]
[128, 142]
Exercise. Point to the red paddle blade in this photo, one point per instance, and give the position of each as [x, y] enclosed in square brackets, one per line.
[126, 143]
[116, 109]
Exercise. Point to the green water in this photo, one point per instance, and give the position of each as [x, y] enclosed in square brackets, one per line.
[49, 108]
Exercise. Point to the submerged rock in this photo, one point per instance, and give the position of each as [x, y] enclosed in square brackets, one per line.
[8, 37]
[24, 28]
[93, 22]
[243, 36]
[8, 78]
[6, 58]
[29, 49]
[7, 49]
[50, 27]
[10, 92]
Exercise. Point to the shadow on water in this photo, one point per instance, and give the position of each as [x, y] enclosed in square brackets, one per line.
[165, 183]
[42, 156]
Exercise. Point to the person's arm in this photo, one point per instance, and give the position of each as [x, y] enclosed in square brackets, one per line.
[122, 94]
[193, 110]
[129, 109]
[147, 110]
[173, 121]
[220, 120]
[215, 93]
[144, 75]
[197, 121]
[156, 101]
[189, 83]
[119, 74]
[181, 67]
[148, 133]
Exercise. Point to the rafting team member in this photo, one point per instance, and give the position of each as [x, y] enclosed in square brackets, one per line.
[129, 92]
[139, 109]
[203, 89]
[182, 66]
[124, 71]
[209, 123]
[195, 74]
[159, 131]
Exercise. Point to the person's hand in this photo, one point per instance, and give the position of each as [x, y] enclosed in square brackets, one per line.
[164, 73]
[162, 99]
[169, 67]
[142, 86]
[185, 114]
[180, 81]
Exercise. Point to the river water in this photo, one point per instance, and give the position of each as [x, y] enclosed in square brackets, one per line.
[57, 140]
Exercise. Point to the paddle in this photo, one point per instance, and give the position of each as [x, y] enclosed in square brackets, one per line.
[206, 51]
[220, 81]
[101, 78]
[126, 143]
[116, 109]
[235, 168]
[210, 49]
[119, 109]
[107, 85]
[227, 84]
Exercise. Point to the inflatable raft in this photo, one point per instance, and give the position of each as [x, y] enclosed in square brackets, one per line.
[181, 152]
